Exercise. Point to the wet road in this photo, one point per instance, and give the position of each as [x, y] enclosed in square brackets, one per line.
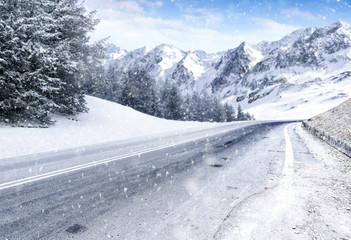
[178, 186]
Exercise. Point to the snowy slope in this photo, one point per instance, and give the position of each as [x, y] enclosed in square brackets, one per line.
[301, 75]
[333, 127]
[105, 122]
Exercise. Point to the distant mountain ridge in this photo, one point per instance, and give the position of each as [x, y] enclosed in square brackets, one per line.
[306, 68]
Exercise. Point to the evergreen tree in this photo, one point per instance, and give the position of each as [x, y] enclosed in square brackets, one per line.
[240, 116]
[171, 102]
[71, 51]
[187, 109]
[218, 113]
[207, 107]
[139, 92]
[43, 56]
[248, 116]
[93, 79]
[24, 92]
[112, 85]
[229, 113]
[198, 108]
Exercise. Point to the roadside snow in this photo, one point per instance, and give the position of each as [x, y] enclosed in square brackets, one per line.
[333, 126]
[314, 205]
[105, 122]
[311, 101]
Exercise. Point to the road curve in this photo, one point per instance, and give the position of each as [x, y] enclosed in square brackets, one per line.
[171, 187]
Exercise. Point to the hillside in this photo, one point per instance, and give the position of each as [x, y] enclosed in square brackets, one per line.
[333, 126]
[301, 75]
[105, 122]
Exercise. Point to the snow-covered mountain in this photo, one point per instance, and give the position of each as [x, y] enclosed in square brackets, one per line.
[304, 73]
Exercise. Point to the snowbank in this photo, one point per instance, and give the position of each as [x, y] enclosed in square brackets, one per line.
[300, 102]
[105, 122]
[333, 126]
[313, 204]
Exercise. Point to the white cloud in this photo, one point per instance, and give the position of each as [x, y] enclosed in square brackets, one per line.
[130, 26]
[203, 16]
[297, 13]
[138, 31]
[272, 28]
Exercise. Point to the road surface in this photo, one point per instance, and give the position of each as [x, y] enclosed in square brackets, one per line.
[176, 186]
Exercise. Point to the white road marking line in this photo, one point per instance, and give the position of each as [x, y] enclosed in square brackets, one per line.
[86, 165]
[91, 164]
[99, 162]
[288, 168]
[194, 130]
[285, 192]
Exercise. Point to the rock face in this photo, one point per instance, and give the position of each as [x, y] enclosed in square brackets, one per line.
[234, 65]
[307, 67]
[333, 126]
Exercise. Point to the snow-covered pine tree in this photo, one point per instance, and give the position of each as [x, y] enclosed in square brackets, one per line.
[175, 103]
[111, 86]
[24, 83]
[171, 101]
[218, 113]
[229, 113]
[198, 107]
[240, 116]
[71, 51]
[93, 79]
[248, 116]
[186, 107]
[207, 107]
[43, 52]
[139, 92]
[9, 62]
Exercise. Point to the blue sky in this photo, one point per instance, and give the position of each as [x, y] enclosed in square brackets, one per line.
[210, 25]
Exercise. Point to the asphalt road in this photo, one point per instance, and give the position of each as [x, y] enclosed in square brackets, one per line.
[176, 186]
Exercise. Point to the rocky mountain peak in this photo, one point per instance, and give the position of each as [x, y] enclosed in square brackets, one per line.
[166, 49]
[339, 27]
[340, 24]
[248, 73]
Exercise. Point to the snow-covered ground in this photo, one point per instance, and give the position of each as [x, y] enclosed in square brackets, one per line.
[310, 200]
[313, 202]
[106, 121]
[298, 102]
[334, 126]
